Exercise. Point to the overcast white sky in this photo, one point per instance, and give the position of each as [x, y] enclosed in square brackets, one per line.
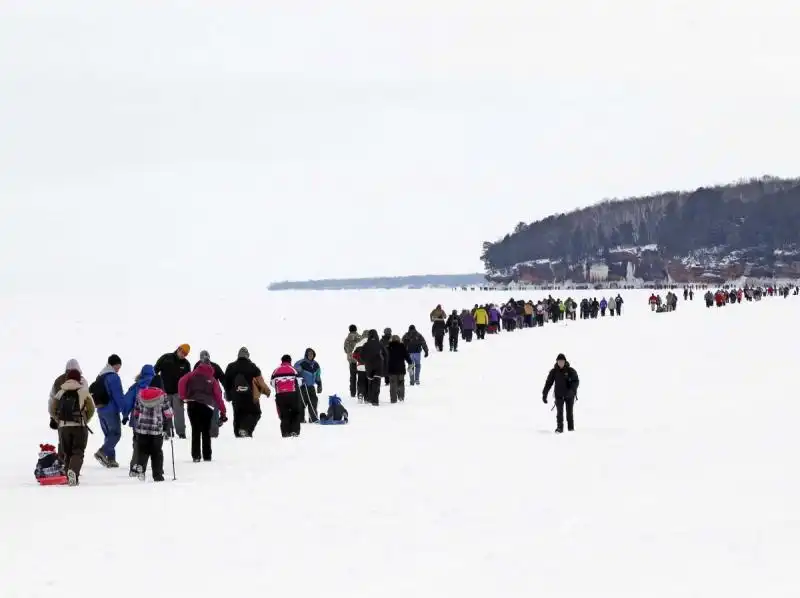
[309, 139]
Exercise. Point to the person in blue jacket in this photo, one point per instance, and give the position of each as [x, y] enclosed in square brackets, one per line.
[309, 370]
[143, 380]
[110, 401]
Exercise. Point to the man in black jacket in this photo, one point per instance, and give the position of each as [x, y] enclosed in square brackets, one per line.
[244, 385]
[416, 344]
[566, 382]
[373, 356]
[219, 375]
[453, 330]
[172, 367]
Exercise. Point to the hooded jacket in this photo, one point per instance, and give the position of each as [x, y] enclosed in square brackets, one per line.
[481, 317]
[309, 369]
[398, 357]
[86, 404]
[467, 320]
[373, 356]
[200, 386]
[113, 384]
[143, 381]
[564, 379]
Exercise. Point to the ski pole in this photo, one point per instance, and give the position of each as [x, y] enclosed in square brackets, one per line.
[172, 450]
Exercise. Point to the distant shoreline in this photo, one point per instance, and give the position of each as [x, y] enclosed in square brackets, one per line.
[383, 282]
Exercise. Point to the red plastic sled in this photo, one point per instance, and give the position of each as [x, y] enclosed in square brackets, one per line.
[59, 480]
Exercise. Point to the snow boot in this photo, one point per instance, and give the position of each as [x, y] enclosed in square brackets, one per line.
[72, 478]
[559, 430]
[197, 459]
[140, 472]
[102, 459]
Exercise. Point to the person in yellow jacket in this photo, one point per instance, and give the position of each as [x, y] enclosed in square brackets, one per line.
[528, 319]
[72, 408]
[481, 322]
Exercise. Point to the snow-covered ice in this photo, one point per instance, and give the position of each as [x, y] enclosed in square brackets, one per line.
[680, 481]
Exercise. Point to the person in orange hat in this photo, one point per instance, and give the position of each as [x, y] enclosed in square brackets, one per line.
[172, 367]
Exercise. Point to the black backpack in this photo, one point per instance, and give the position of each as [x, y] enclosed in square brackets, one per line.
[99, 392]
[242, 387]
[69, 407]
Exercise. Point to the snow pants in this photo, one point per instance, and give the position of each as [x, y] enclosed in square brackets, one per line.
[397, 388]
[374, 388]
[353, 379]
[180, 416]
[481, 331]
[453, 338]
[111, 427]
[362, 384]
[569, 403]
[200, 419]
[73, 440]
[150, 447]
[438, 340]
[246, 415]
[468, 336]
[311, 403]
[290, 411]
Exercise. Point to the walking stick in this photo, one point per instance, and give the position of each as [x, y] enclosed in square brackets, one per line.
[172, 450]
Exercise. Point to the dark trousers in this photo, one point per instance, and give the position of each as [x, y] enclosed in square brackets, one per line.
[310, 401]
[374, 388]
[468, 336]
[290, 410]
[200, 419]
[619, 309]
[438, 340]
[362, 384]
[73, 440]
[246, 415]
[397, 387]
[540, 319]
[480, 330]
[353, 379]
[150, 447]
[454, 341]
[561, 402]
[135, 454]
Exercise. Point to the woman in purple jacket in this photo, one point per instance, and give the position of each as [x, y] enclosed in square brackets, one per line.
[467, 325]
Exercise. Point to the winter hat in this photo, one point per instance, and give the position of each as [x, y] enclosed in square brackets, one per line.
[186, 348]
[561, 357]
[74, 375]
[353, 328]
[73, 364]
[114, 359]
[387, 332]
[286, 359]
[412, 328]
[244, 353]
[205, 357]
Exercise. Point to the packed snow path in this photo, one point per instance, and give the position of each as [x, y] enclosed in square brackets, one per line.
[679, 481]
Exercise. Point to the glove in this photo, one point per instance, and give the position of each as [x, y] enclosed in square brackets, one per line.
[124, 420]
[319, 388]
[544, 399]
[169, 430]
[426, 354]
[222, 419]
[53, 424]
